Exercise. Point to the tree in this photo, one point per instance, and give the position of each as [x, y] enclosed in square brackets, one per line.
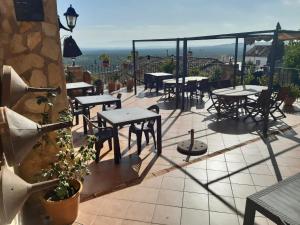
[291, 59]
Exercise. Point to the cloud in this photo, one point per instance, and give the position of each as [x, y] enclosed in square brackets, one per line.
[291, 2]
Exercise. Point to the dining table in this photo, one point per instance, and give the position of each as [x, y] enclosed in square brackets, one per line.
[83, 86]
[180, 80]
[87, 101]
[120, 117]
[157, 79]
[238, 95]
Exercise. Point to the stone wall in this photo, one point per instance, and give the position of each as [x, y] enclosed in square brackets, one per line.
[33, 49]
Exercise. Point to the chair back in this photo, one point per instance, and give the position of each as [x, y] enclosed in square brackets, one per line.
[90, 125]
[204, 85]
[119, 96]
[71, 105]
[99, 87]
[191, 86]
[153, 108]
[224, 83]
[263, 98]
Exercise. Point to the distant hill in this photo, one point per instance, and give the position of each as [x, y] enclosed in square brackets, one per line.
[90, 56]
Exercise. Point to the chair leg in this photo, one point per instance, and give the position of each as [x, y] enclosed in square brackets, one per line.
[77, 119]
[98, 146]
[154, 138]
[146, 136]
[129, 138]
[139, 142]
[110, 144]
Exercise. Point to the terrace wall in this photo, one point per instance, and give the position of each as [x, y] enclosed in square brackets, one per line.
[33, 49]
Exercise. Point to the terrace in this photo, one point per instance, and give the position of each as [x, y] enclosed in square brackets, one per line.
[146, 183]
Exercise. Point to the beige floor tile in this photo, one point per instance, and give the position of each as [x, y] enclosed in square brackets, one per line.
[221, 204]
[114, 208]
[195, 201]
[223, 189]
[194, 217]
[140, 211]
[173, 183]
[242, 191]
[167, 215]
[193, 186]
[143, 194]
[223, 218]
[169, 197]
[102, 220]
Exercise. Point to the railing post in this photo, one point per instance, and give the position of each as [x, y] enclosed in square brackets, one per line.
[243, 62]
[184, 70]
[177, 70]
[134, 66]
[235, 60]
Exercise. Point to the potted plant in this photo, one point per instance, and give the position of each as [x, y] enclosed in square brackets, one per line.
[129, 84]
[61, 203]
[293, 94]
[105, 60]
[126, 62]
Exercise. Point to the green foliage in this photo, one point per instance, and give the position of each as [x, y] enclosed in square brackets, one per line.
[168, 66]
[104, 58]
[216, 75]
[194, 72]
[70, 77]
[291, 57]
[70, 164]
[249, 77]
[294, 91]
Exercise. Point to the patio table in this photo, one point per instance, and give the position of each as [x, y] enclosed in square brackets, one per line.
[78, 86]
[280, 202]
[192, 78]
[158, 77]
[239, 93]
[125, 116]
[87, 101]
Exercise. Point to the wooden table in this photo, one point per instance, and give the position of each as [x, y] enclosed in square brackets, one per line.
[78, 86]
[87, 101]
[121, 117]
[280, 202]
[180, 80]
[157, 78]
[239, 93]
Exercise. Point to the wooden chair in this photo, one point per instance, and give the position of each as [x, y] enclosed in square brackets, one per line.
[107, 107]
[191, 88]
[257, 107]
[277, 101]
[75, 112]
[147, 129]
[102, 134]
[203, 87]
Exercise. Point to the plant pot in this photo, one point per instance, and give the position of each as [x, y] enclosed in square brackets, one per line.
[65, 211]
[105, 63]
[129, 85]
[289, 101]
[111, 86]
[118, 85]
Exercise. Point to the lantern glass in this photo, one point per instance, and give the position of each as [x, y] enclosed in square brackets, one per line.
[71, 17]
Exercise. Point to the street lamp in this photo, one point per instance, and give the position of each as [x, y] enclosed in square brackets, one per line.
[71, 18]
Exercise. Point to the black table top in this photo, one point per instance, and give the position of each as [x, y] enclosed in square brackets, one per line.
[282, 199]
[242, 90]
[78, 85]
[127, 115]
[96, 99]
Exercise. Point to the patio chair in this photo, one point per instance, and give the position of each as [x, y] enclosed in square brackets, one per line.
[212, 85]
[191, 88]
[107, 107]
[225, 106]
[203, 87]
[257, 107]
[147, 129]
[169, 89]
[149, 82]
[102, 134]
[277, 101]
[76, 112]
[98, 87]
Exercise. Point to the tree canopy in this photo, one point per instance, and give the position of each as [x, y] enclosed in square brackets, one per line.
[292, 55]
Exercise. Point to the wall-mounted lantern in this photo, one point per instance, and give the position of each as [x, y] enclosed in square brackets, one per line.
[14, 192]
[71, 49]
[19, 134]
[14, 88]
[71, 18]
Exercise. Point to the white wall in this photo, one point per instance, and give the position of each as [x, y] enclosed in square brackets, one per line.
[263, 60]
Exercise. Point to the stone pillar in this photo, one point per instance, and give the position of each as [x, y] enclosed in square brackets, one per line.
[33, 49]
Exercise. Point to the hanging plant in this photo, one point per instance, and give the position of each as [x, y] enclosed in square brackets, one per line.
[105, 60]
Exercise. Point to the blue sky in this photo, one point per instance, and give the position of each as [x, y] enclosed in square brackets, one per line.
[114, 23]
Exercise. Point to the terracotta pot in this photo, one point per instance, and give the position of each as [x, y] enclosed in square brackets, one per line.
[129, 85]
[65, 211]
[105, 63]
[111, 86]
[118, 85]
[289, 101]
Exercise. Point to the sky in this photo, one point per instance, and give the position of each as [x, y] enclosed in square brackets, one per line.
[115, 23]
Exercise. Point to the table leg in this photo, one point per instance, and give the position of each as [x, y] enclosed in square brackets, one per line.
[119, 104]
[76, 117]
[85, 112]
[159, 136]
[249, 213]
[157, 85]
[117, 153]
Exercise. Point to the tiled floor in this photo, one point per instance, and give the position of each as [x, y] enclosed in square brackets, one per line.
[208, 190]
